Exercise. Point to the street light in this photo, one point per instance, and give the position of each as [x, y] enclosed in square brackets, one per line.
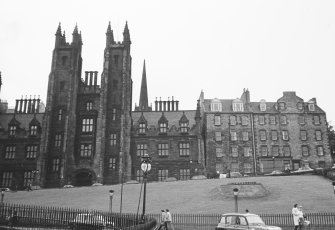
[146, 167]
[273, 158]
[111, 194]
[235, 190]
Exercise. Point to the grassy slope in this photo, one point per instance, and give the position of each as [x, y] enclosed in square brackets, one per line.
[313, 192]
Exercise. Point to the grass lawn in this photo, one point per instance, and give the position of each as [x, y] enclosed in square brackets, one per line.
[314, 193]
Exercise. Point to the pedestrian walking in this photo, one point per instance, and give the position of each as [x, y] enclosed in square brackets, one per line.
[169, 220]
[163, 220]
[295, 213]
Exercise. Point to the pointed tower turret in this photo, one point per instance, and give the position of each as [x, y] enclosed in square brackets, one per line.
[109, 35]
[143, 104]
[58, 36]
[197, 112]
[126, 35]
[75, 36]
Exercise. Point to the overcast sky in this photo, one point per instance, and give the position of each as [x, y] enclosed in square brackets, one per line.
[219, 47]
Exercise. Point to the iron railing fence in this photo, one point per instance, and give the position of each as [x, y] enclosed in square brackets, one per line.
[57, 217]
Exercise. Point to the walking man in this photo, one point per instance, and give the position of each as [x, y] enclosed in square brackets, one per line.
[296, 215]
[163, 220]
[169, 220]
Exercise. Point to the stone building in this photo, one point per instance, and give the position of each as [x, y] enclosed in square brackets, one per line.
[88, 132]
[260, 137]
[171, 137]
[20, 138]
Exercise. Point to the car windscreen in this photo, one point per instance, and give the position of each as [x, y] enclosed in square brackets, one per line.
[255, 220]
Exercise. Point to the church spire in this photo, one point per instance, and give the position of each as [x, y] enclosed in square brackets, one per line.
[126, 35]
[58, 36]
[59, 31]
[143, 104]
[75, 36]
[109, 35]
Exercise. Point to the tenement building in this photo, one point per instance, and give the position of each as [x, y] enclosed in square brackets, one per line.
[88, 132]
[260, 137]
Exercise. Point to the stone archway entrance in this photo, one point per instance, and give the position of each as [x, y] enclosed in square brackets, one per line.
[84, 177]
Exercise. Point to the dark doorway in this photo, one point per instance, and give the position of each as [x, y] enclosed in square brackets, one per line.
[84, 179]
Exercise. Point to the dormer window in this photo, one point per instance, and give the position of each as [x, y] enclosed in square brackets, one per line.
[12, 130]
[184, 127]
[281, 106]
[216, 105]
[163, 127]
[311, 107]
[262, 106]
[33, 130]
[142, 128]
[163, 124]
[183, 123]
[238, 105]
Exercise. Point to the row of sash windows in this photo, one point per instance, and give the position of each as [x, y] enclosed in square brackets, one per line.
[7, 178]
[31, 151]
[261, 120]
[163, 174]
[163, 149]
[163, 127]
[13, 128]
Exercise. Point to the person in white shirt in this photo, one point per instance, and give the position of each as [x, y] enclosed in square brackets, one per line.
[169, 220]
[163, 220]
[295, 213]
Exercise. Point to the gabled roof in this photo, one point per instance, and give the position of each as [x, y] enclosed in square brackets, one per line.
[173, 117]
[163, 119]
[14, 122]
[142, 119]
[183, 118]
[34, 121]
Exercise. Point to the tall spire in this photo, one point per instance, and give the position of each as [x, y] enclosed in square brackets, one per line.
[59, 31]
[109, 35]
[143, 104]
[126, 35]
[75, 35]
[58, 34]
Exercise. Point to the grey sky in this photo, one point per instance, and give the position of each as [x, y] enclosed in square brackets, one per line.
[218, 46]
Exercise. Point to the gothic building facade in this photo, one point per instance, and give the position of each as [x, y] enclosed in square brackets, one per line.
[89, 133]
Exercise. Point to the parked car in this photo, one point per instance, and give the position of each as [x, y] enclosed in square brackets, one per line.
[91, 221]
[235, 175]
[238, 221]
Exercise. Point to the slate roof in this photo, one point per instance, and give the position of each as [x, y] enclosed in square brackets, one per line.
[173, 117]
[23, 118]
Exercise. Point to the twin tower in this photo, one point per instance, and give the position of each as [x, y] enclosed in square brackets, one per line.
[87, 126]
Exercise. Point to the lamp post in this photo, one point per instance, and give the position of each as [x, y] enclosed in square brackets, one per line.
[235, 190]
[273, 169]
[111, 194]
[2, 195]
[146, 167]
